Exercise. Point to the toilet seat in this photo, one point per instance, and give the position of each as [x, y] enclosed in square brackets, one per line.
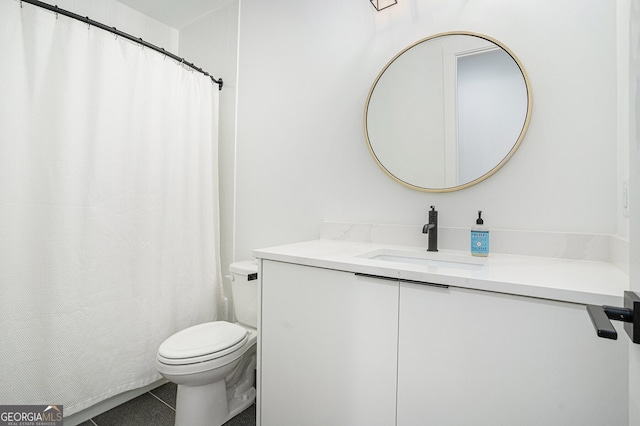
[202, 342]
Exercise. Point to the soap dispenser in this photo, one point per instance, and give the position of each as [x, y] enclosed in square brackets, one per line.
[479, 237]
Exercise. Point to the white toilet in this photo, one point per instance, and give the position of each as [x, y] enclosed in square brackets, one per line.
[213, 363]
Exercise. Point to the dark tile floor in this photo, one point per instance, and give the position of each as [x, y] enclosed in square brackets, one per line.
[157, 407]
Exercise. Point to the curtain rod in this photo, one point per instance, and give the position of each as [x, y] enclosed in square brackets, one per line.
[119, 33]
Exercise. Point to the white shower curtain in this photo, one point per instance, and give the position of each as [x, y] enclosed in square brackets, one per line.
[108, 208]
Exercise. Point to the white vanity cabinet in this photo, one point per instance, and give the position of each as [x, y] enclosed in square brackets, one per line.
[328, 347]
[337, 347]
[468, 357]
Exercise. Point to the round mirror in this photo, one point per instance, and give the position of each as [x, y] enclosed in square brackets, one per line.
[447, 112]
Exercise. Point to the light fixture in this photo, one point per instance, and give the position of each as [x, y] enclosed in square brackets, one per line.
[383, 4]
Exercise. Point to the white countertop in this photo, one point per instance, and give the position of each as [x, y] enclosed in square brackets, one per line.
[575, 281]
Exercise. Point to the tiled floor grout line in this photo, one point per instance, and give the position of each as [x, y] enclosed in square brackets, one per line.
[161, 400]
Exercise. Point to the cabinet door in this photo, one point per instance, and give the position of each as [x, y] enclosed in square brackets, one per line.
[477, 358]
[328, 344]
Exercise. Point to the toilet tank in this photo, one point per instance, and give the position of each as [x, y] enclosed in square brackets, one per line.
[244, 286]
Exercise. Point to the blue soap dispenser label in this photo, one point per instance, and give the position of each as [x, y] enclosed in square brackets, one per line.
[480, 242]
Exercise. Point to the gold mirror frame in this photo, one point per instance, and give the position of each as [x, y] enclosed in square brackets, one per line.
[495, 168]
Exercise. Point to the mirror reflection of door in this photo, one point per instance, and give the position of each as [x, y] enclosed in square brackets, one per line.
[490, 112]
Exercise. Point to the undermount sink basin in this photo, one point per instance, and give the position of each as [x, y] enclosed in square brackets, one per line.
[433, 259]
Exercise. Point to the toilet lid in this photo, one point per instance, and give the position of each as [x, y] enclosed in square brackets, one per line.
[203, 339]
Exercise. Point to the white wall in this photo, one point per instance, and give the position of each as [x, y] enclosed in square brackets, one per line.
[305, 69]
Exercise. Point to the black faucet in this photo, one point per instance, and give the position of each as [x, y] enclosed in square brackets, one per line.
[431, 228]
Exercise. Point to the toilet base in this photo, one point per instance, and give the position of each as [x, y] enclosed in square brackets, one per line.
[207, 405]
[215, 403]
[201, 405]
